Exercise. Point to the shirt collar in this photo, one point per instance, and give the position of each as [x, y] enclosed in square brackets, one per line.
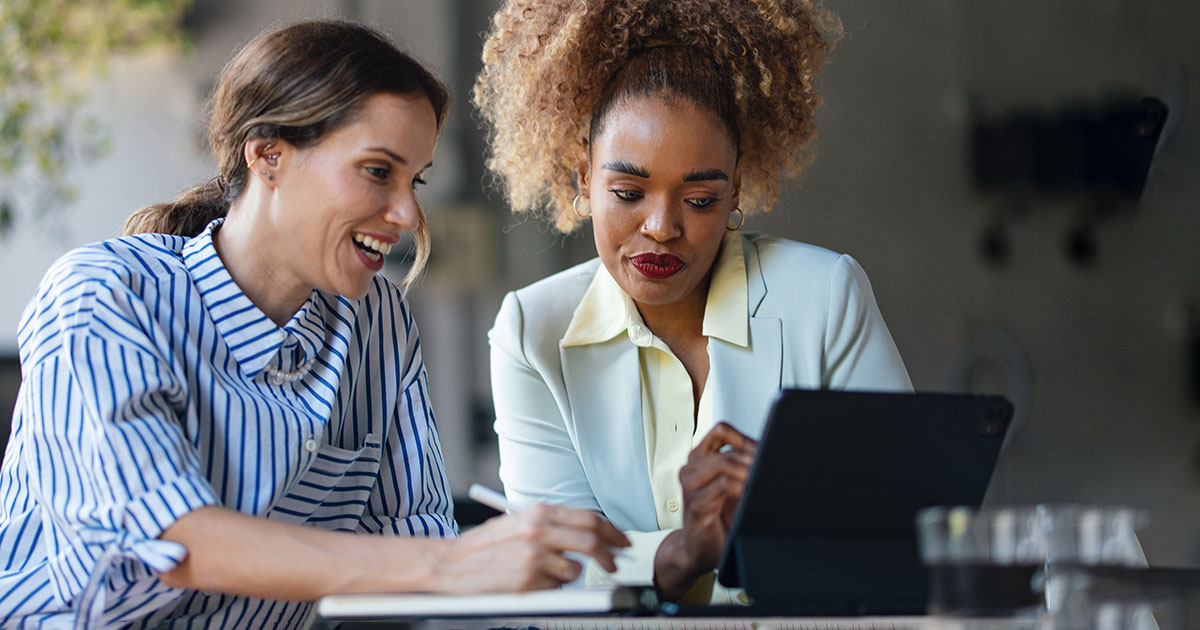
[253, 339]
[606, 311]
[726, 314]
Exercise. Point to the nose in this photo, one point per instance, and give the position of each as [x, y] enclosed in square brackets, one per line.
[404, 211]
[660, 223]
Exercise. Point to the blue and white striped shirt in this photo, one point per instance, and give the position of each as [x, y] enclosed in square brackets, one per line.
[145, 394]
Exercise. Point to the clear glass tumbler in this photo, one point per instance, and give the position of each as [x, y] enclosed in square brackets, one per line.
[983, 563]
[1026, 563]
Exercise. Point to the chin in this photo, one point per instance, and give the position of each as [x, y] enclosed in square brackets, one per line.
[353, 291]
[649, 295]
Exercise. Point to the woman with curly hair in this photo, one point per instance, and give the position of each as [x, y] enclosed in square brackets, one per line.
[634, 384]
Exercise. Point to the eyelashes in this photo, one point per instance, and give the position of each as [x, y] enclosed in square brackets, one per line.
[630, 196]
[381, 174]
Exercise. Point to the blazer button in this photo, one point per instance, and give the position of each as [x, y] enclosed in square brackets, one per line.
[672, 505]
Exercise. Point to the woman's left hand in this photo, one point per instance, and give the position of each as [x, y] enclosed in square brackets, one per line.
[712, 480]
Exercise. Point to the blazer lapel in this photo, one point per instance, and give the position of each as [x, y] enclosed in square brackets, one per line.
[745, 380]
[606, 410]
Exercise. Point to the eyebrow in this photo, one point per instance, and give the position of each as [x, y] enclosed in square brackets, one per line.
[621, 166]
[396, 157]
[703, 175]
[706, 175]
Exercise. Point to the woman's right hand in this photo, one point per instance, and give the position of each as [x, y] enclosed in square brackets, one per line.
[712, 482]
[524, 551]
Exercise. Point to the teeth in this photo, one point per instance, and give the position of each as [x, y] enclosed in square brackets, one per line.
[373, 243]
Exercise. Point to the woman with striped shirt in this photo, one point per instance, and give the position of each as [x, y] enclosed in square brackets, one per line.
[219, 408]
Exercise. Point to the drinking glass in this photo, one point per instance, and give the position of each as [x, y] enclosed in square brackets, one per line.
[1024, 562]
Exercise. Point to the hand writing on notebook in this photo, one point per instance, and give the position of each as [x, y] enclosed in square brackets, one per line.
[712, 480]
[524, 551]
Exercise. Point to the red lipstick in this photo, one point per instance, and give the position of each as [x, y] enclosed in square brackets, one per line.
[657, 266]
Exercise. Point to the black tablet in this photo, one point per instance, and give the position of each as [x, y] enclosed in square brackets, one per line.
[826, 522]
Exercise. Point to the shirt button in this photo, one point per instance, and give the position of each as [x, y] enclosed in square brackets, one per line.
[672, 505]
[743, 598]
[310, 446]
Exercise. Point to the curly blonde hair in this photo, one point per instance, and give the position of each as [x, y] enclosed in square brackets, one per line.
[549, 65]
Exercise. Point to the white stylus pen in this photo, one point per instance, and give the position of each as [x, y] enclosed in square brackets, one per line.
[490, 498]
[498, 502]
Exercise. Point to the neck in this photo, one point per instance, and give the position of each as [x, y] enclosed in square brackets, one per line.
[256, 267]
[678, 321]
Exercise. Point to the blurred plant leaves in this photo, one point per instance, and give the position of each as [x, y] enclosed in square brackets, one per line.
[52, 54]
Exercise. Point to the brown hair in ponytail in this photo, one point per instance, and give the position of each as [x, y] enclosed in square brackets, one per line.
[297, 83]
[186, 216]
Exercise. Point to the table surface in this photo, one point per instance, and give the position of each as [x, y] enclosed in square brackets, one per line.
[686, 623]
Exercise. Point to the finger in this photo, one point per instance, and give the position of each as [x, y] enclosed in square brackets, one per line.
[589, 521]
[715, 496]
[703, 470]
[723, 435]
[560, 569]
[712, 508]
[735, 438]
[559, 538]
[710, 515]
[743, 458]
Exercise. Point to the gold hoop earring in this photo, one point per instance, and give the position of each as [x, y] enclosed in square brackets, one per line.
[575, 207]
[741, 219]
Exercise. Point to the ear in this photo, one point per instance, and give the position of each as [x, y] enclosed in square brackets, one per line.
[585, 170]
[263, 158]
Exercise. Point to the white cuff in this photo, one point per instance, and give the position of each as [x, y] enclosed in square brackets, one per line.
[635, 565]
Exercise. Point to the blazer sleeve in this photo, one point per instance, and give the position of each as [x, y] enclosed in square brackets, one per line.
[538, 457]
[859, 352]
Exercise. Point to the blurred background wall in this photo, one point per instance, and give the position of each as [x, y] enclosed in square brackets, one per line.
[1079, 303]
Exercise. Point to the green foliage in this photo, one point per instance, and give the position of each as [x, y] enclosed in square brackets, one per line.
[52, 53]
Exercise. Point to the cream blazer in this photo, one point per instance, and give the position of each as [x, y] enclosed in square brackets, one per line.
[570, 419]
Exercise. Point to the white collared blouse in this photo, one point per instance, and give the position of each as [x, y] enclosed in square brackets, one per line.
[147, 392]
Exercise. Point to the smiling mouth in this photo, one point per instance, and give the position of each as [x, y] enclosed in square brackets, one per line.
[657, 266]
[373, 248]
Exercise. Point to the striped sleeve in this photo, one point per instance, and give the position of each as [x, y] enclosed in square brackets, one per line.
[412, 495]
[104, 411]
